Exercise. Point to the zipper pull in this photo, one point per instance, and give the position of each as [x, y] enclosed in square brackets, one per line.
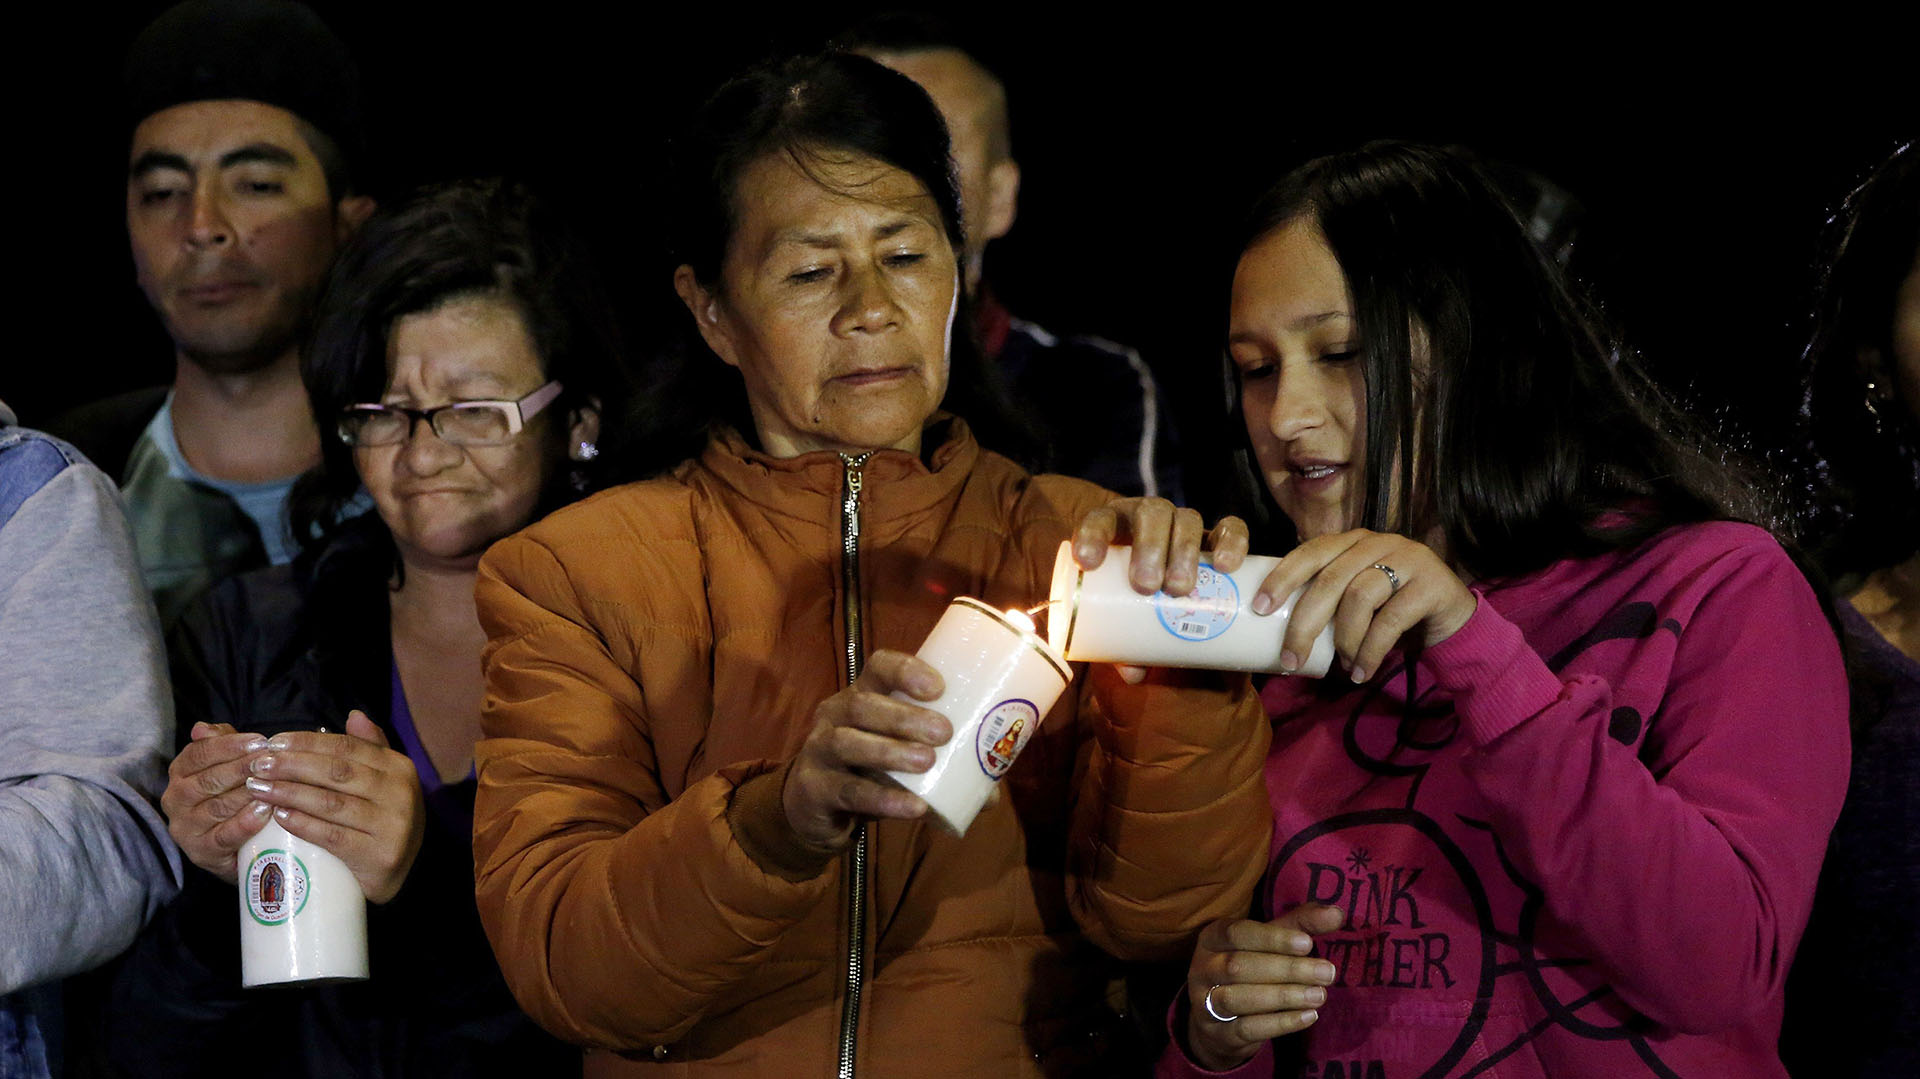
[853, 474]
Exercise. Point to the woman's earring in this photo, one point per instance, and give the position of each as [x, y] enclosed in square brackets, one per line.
[585, 451]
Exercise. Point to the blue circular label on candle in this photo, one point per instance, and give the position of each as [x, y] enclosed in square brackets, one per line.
[1003, 733]
[276, 886]
[1204, 613]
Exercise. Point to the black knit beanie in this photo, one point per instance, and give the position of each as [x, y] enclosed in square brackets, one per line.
[276, 52]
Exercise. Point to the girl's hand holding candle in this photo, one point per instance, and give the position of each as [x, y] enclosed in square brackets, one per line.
[1368, 589]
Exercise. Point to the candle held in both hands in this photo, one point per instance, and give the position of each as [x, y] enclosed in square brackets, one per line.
[303, 917]
[1097, 617]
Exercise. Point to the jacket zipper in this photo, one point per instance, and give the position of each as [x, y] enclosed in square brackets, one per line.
[857, 870]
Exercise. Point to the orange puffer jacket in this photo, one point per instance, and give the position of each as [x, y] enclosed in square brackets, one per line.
[656, 653]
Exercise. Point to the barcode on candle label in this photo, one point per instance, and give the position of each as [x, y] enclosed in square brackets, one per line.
[1204, 613]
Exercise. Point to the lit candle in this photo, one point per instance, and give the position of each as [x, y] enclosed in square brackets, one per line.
[1001, 678]
[303, 917]
[1096, 616]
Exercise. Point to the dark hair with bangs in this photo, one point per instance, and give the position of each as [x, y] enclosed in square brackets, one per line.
[805, 107]
[802, 107]
[479, 238]
[1534, 437]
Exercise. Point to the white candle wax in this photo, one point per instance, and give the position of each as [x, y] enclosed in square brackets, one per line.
[1001, 678]
[303, 917]
[1096, 616]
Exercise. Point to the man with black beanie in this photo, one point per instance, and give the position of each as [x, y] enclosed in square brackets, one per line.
[244, 132]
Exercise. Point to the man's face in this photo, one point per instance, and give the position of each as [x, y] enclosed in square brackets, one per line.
[232, 229]
[970, 102]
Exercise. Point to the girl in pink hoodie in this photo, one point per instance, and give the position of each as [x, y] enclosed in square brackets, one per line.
[1561, 809]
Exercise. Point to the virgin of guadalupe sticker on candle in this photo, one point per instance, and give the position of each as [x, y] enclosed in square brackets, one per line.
[276, 886]
[303, 917]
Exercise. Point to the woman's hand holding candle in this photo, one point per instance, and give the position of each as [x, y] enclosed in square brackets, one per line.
[351, 794]
[210, 812]
[1167, 542]
[858, 732]
[1251, 982]
[1373, 587]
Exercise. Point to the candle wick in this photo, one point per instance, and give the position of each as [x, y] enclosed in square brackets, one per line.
[1034, 612]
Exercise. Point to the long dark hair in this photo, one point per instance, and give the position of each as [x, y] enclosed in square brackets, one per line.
[804, 106]
[1864, 508]
[467, 238]
[1532, 437]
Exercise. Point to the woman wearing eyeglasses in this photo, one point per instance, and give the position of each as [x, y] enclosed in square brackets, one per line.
[463, 357]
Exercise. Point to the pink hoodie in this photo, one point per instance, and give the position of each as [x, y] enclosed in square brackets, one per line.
[1589, 846]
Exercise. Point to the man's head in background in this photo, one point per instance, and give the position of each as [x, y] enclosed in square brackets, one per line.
[973, 101]
[245, 132]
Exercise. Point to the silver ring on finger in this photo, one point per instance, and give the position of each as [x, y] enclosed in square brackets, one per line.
[1207, 1003]
[1392, 577]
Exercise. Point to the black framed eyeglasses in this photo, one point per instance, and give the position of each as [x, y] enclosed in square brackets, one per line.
[462, 423]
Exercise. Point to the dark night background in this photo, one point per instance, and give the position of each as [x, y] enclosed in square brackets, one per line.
[1707, 161]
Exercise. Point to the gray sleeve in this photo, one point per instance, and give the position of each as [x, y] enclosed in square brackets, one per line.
[86, 723]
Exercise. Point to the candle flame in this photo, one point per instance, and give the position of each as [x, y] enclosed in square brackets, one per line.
[1020, 619]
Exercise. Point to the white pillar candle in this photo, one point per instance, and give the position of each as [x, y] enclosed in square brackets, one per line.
[1001, 678]
[303, 917]
[1096, 616]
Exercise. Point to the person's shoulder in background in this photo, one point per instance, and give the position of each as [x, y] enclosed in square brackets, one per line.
[105, 430]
